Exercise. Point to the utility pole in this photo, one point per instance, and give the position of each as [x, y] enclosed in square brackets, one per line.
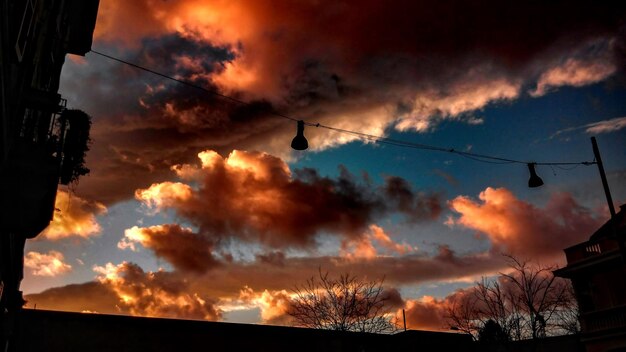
[609, 199]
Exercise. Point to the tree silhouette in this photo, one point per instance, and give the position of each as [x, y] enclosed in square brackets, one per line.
[492, 332]
[346, 303]
[526, 302]
[539, 296]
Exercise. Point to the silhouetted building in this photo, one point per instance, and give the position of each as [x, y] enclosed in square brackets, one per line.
[63, 331]
[35, 36]
[598, 274]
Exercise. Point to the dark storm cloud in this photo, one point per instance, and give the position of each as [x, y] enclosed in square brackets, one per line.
[358, 65]
[141, 131]
[254, 197]
[180, 246]
[400, 193]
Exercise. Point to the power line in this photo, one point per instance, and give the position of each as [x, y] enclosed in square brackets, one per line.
[378, 139]
[187, 83]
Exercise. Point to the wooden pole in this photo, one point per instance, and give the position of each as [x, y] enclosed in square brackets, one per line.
[609, 199]
[605, 184]
[404, 318]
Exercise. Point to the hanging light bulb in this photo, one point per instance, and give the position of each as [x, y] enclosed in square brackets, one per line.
[534, 181]
[299, 142]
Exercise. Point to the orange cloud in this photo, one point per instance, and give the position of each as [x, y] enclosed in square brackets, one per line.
[274, 305]
[271, 40]
[385, 241]
[165, 194]
[522, 229]
[427, 313]
[50, 264]
[469, 95]
[355, 65]
[358, 248]
[254, 197]
[127, 289]
[90, 296]
[73, 217]
[363, 247]
[155, 294]
[577, 72]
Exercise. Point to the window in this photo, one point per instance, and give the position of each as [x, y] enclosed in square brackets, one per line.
[25, 28]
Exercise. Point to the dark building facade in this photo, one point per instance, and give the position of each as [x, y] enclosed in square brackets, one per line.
[36, 130]
[598, 272]
[62, 331]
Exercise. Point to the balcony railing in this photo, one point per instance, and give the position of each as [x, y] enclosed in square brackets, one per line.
[590, 249]
[607, 319]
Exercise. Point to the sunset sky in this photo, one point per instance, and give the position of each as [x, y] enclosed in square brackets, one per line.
[197, 208]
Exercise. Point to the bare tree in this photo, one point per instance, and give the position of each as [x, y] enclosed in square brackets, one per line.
[528, 302]
[567, 317]
[462, 316]
[486, 302]
[542, 298]
[345, 304]
[494, 303]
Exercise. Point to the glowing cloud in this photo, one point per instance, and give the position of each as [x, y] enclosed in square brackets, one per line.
[274, 305]
[363, 247]
[574, 72]
[355, 65]
[520, 228]
[164, 194]
[50, 264]
[154, 294]
[469, 95]
[427, 313]
[254, 197]
[73, 217]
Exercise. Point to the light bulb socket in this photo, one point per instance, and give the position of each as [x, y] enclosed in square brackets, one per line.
[299, 142]
[534, 181]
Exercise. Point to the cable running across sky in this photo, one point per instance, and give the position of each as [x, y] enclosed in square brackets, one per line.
[378, 139]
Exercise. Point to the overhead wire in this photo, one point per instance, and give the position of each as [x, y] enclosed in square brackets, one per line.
[370, 137]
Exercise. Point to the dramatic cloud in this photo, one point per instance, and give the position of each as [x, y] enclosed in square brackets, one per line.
[363, 247]
[163, 194]
[90, 296]
[73, 217]
[254, 197]
[583, 69]
[126, 288]
[183, 248]
[50, 264]
[573, 73]
[472, 94]
[155, 294]
[274, 305]
[427, 313]
[355, 65]
[520, 228]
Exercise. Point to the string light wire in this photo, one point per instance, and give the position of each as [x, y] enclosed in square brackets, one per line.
[378, 139]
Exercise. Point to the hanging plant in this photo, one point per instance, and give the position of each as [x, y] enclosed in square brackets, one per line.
[75, 145]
